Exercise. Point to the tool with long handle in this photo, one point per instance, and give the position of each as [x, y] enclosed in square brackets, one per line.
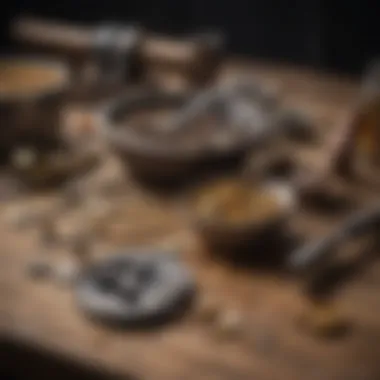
[197, 56]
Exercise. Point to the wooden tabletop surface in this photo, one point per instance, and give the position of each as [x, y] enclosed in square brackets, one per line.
[271, 345]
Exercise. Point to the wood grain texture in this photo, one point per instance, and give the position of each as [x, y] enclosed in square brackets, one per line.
[271, 347]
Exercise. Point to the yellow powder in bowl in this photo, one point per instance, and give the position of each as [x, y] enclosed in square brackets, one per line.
[234, 202]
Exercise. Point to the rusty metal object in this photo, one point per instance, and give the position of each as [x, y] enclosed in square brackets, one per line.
[359, 141]
[32, 91]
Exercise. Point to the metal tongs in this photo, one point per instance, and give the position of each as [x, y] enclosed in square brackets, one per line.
[112, 46]
[239, 104]
[315, 259]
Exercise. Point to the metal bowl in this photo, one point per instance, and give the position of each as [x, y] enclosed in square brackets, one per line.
[163, 156]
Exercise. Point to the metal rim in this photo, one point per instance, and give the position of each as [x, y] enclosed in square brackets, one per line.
[286, 207]
[40, 62]
[131, 142]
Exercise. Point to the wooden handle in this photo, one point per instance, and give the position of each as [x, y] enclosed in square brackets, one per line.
[62, 36]
[80, 38]
[195, 57]
[52, 34]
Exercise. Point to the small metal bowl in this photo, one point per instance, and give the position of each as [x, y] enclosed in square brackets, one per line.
[31, 94]
[221, 234]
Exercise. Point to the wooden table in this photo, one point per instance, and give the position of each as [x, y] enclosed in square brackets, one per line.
[271, 347]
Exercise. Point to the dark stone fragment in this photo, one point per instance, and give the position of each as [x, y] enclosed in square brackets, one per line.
[39, 269]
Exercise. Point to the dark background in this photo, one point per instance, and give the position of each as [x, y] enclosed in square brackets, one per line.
[335, 36]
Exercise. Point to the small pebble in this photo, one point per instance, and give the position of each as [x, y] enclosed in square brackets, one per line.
[97, 207]
[112, 187]
[81, 246]
[65, 273]
[20, 218]
[265, 342]
[39, 269]
[323, 321]
[229, 325]
[298, 126]
[248, 118]
[78, 126]
[72, 195]
[49, 234]
[23, 158]
[208, 310]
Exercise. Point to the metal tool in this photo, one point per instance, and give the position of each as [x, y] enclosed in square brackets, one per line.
[137, 287]
[197, 57]
[359, 141]
[314, 260]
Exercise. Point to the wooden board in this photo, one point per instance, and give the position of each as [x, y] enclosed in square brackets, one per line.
[271, 346]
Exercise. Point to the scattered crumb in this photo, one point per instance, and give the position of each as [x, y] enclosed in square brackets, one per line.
[39, 268]
[18, 218]
[65, 272]
[323, 320]
[207, 309]
[229, 324]
[23, 158]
